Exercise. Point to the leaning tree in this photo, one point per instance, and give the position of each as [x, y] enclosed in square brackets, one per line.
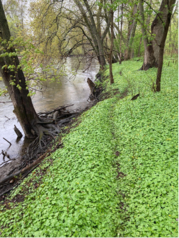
[14, 80]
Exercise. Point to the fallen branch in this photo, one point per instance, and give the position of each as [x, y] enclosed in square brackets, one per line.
[37, 148]
[2, 164]
[6, 191]
[5, 154]
[27, 167]
[7, 141]
[7, 117]
[57, 109]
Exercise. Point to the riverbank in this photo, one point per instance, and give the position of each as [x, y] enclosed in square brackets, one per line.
[67, 90]
[116, 174]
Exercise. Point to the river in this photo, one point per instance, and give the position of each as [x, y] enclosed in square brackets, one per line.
[68, 90]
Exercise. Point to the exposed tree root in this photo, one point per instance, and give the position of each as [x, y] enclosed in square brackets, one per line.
[27, 167]
[48, 127]
[48, 131]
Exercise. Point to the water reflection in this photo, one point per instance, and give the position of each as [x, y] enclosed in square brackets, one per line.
[68, 91]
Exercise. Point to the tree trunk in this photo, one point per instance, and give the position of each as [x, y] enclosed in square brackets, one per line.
[120, 61]
[23, 107]
[167, 7]
[149, 58]
[153, 50]
[131, 34]
[115, 53]
[139, 54]
[93, 28]
[111, 49]
[158, 27]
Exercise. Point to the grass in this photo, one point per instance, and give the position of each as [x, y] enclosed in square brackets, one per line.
[83, 192]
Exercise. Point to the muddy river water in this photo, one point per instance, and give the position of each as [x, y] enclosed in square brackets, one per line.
[69, 90]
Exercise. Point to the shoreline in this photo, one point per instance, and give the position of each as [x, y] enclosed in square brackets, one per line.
[6, 169]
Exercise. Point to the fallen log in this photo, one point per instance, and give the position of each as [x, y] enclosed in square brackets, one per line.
[6, 191]
[26, 168]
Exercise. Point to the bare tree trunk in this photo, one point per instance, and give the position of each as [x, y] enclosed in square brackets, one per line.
[97, 37]
[170, 40]
[115, 53]
[111, 49]
[139, 54]
[23, 107]
[148, 18]
[166, 18]
[131, 34]
[149, 58]
[153, 49]
[120, 61]
[158, 25]
[117, 27]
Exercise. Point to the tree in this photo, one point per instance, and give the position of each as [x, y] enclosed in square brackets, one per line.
[160, 27]
[149, 58]
[95, 30]
[159, 30]
[131, 32]
[125, 40]
[15, 82]
[171, 45]
[15, 12]
[111, 48]
[82, 26]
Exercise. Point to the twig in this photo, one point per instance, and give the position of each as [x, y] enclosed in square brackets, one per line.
[7, 141]
[2, 164]
[5, 154]
[7, 118]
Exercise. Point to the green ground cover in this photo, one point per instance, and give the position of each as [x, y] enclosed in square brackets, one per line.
[83, 192]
